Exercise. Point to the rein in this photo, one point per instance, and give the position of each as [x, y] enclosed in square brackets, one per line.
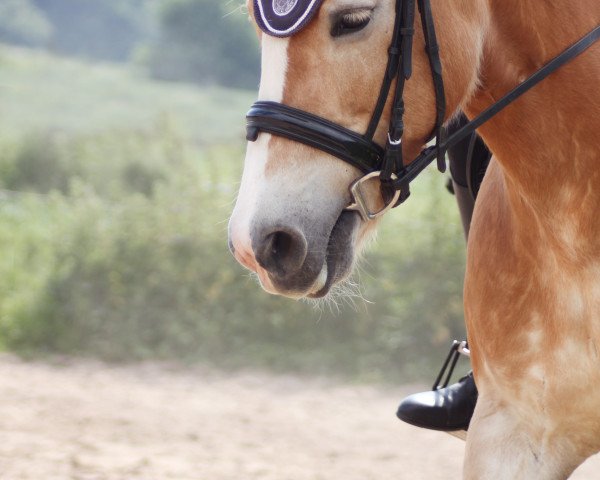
[361, 151]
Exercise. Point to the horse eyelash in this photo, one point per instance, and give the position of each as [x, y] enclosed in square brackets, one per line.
[350, 22]
[357, 17]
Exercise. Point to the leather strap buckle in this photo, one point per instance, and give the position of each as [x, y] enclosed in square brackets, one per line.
[359, 203]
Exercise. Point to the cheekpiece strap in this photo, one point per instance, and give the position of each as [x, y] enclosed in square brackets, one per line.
[284, 18]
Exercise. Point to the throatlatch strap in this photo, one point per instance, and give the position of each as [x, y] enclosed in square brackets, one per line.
[433, 53]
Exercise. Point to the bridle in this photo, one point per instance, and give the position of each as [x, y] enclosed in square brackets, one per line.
[362, 151]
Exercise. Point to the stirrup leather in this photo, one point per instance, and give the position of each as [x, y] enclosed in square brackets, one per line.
[456, 350]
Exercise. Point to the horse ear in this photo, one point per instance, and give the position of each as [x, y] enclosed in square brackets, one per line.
[284, 18]
[252, 17]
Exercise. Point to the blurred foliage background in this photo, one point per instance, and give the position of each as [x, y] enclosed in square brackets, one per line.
[121, 148]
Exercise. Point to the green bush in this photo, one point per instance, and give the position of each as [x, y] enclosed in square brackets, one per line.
[121, 271]
[112, 164]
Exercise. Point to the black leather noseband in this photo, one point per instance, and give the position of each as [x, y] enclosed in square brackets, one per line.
[315, 131]
[362, 151]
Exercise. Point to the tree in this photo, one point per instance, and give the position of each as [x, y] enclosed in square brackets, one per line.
[22, 22]
[105, 30]
[202, 41]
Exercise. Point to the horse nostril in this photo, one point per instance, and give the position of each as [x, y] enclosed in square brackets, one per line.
[280, 244]
[281, 252]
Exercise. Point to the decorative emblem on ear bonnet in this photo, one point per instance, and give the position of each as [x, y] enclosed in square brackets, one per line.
[284, 18]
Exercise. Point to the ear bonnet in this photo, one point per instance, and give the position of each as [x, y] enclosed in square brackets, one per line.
[284, 18]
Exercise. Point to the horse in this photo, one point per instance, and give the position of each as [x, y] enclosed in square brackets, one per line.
[532, 283]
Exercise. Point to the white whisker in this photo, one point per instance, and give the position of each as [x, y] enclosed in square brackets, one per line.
[239, 9]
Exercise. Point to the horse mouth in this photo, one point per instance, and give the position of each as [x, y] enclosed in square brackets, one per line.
[339, 256]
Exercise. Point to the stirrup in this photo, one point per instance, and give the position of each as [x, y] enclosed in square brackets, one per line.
[456, 350]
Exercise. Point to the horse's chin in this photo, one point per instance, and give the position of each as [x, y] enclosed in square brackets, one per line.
[339, 258]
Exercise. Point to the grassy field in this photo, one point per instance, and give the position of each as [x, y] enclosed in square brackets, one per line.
[39, 91]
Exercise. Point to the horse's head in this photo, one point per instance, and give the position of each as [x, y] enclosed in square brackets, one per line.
[290, 224]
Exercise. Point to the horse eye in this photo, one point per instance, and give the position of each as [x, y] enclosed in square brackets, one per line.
[350, 22]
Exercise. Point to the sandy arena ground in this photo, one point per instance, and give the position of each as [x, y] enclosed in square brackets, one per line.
[89, 421]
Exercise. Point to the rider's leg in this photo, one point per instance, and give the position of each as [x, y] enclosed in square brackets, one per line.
[451, 408]
[468, 162]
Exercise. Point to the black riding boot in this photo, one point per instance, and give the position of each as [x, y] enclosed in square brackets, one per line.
[448, 409]
[451, 408]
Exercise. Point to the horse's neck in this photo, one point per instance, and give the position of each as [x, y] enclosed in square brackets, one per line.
[547, 142]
